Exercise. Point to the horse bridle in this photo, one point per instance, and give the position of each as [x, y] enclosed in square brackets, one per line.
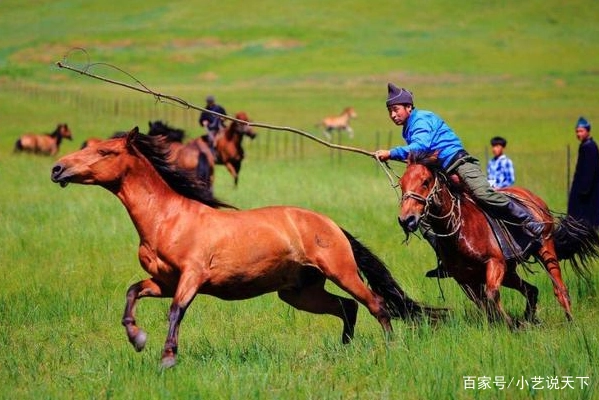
[455, 218]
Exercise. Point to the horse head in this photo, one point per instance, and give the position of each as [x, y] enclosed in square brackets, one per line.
[63, 131]
[102, 164]
[240, 128]
[420, 185]
[350, 112]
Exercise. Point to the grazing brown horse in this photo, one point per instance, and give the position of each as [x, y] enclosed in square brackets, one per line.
[468, 248]
[228, 144]
[189, 246]
[339, 123]
[194, 156]
[47, 144]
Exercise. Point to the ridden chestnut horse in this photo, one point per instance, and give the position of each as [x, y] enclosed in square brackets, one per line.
[190, 245]
[227, 144]
[339, 123]
[194, 155]
[468, 249]
[47, 144]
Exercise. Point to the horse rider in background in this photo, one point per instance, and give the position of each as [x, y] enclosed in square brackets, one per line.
[212, 123]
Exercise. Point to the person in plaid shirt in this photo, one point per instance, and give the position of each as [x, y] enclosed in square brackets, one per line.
[500, 170]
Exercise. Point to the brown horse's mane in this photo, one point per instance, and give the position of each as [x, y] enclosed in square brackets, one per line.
[428, 159]
[156, 150]
[57, 131]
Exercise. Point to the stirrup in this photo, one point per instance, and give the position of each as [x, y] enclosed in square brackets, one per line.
[534, 229]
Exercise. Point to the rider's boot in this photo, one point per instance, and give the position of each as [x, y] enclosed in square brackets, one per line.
[518, 214]
[440, 271]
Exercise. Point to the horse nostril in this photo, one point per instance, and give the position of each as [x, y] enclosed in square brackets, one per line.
[57, 170]
[410, 222]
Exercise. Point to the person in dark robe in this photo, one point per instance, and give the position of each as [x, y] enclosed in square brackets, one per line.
[583, 202]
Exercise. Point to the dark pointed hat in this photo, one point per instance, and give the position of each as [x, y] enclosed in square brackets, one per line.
[583, 123]
[398, 95]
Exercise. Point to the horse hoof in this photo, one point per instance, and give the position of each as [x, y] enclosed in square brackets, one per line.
[139, 342]
[168, 361]
[569, 317]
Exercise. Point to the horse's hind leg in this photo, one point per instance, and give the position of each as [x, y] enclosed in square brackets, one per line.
[549, 260]
[145, 288]
[350, 282]
[311, 296]
[530, 292]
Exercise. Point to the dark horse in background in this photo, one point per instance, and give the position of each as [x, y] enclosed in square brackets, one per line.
[227, 144]
[47, 144]
[190, 245]
[194, 156]
[469, 249]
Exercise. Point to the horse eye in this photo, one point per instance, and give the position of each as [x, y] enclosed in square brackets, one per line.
[426, 183]
[103, 152]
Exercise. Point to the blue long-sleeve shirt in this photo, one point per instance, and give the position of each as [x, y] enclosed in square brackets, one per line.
[425, 131]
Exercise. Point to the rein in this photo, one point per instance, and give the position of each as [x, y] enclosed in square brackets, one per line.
[454, 215]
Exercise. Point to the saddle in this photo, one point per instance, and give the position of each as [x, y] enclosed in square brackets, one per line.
[515, 245]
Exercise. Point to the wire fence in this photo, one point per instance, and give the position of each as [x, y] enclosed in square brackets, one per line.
[270, 145]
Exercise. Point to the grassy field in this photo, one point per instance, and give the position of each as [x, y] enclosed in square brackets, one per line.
[523, 70]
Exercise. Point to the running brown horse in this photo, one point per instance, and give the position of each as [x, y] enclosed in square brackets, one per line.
[468, 248]
[187, 249]
[47, 144]
[339, 123]
[228, 144]
[194, 155]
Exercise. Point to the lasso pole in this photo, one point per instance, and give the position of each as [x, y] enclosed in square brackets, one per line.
[161, 97]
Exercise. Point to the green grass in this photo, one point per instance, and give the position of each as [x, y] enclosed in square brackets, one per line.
[523, 70]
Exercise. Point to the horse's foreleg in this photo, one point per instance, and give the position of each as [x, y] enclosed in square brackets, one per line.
[184, 295]
[474, 292]
[549, 260]
[350, 131]
[147, 287]
[495, 274]
[232, 171]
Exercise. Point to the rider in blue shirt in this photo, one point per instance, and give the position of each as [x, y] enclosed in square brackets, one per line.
[425, 131]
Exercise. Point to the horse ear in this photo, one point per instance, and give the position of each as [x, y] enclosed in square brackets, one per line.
[132, 135]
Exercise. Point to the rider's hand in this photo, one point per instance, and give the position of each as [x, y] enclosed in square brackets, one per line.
[382, 155]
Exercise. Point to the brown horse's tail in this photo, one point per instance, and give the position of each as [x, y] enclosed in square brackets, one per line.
[397, 302]
[577, 242]
[18, 145]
